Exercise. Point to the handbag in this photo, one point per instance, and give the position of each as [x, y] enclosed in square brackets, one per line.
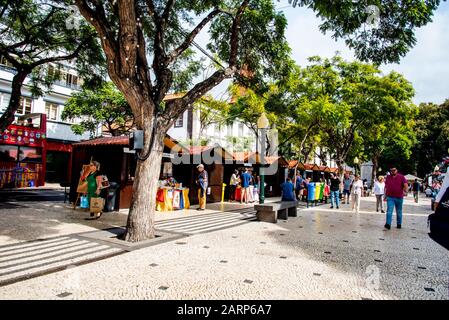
[105, 182]
[84, 202]
[96, 205]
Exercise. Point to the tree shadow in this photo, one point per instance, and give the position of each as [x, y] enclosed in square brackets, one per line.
[408, 261]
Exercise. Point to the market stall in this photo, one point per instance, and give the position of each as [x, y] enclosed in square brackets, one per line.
[119, 164]
[170, 199]
[23, 152]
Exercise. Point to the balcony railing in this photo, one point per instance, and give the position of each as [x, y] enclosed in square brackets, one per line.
[63, 83]
[8, 69]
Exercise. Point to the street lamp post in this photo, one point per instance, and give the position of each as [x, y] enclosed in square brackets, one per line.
[262, 125]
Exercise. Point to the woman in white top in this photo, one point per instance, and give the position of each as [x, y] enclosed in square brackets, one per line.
[443, 189]
[233, 185]
[356, 193]
[379, 191]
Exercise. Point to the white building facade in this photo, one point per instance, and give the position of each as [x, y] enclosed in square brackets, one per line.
[59, 134]
[233, 137]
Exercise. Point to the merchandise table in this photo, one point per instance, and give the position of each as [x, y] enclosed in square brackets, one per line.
[170, 199]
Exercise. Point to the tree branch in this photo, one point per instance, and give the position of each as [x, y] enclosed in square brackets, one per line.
[100, 24]
[189, 39]
[235, 29]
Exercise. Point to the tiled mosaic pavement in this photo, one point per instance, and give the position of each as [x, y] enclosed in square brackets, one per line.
[321, 254]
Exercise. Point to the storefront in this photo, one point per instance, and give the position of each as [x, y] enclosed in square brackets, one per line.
[276, 171]
[59, 158]
[118, 163]
[23, 152]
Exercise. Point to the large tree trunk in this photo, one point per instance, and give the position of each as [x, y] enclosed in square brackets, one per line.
[375, 166]
[8, 116]
[140, 224]
[341, 169]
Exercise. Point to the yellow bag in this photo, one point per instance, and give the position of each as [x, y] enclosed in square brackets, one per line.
[96, 205]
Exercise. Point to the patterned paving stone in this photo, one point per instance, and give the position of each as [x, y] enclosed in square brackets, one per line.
[195, 274]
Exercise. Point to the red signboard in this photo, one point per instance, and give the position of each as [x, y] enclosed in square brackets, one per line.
[32, 133]
[23, 152]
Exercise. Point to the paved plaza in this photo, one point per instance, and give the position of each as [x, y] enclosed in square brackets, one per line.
[222, 253]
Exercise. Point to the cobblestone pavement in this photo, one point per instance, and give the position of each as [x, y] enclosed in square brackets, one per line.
[321, 254]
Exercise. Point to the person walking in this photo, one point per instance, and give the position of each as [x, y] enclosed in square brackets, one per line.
[233, 183]
[335, 191]
[396, 187]
[442, 191]
[288, 191]
[202, 183]
[365, 187]
[347, 182]
[356, 193]
[416, 187]
[299, 186]
[245, 180]
[94, 180]
[379, 191]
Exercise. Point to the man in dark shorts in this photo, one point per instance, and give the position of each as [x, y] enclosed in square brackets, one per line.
[246, 178]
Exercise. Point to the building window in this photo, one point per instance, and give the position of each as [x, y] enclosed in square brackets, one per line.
[4, 101]
[229, 130]
[71, 80]
[179, 123]
[241, 129]
[51, 109]
[29, 154]
[65, 78]
[24, 106]
[5, 62]
[8, 153]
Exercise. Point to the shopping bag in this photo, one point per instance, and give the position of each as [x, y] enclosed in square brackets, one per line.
[84, 202]
[96, 205]
[105, 182]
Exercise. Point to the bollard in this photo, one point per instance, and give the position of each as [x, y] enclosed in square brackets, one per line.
[223, 192]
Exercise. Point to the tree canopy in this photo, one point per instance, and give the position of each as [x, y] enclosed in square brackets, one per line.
[103, 106]
[35, 33]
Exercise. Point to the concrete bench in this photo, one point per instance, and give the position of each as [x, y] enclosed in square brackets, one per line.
[270, 212]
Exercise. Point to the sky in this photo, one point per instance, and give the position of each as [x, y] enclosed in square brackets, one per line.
[426, 65]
